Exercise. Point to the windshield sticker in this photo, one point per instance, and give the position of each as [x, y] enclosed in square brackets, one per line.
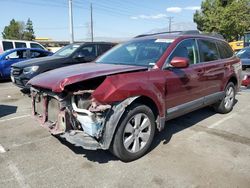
[164, 40]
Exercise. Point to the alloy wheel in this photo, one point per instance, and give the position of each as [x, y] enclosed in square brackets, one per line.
[137, 133]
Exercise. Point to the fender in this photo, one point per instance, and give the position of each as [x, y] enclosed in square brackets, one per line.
[118, 88]
[112, 120]
[234, 72]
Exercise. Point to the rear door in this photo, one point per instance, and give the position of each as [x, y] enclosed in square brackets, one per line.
[214, 67]
[184, 89]
[14, 57]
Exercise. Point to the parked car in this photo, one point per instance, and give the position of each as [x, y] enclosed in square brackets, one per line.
[69, 55]
[6, 44]
[119, 101]
[244, 55]
[246, 79]
[17, 55]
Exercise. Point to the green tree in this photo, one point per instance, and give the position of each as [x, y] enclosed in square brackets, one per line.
[13, 31]
[29, 33]
[19, 31]
[227, 17]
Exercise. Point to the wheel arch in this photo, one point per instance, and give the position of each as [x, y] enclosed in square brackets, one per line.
[114, 117]
[233, 79]
[148, 102]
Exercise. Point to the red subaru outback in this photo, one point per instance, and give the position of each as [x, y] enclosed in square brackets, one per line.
[119, 101]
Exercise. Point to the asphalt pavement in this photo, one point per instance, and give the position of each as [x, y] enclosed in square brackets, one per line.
[200, 149]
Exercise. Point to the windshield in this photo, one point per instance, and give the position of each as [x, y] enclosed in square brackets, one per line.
[138, 53]
[67, 50]
[244, 53]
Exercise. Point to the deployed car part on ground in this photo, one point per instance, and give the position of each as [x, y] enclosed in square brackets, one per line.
[118, 102]
[246, 79]
[69, 55]
[18, 55]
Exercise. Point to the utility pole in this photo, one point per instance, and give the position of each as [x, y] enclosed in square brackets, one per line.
[91, 21]
[71, 31]
[170, 18]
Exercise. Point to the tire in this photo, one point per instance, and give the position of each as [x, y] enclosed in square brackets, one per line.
[134, 134]
[226, 104]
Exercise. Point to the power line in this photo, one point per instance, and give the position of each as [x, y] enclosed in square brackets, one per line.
[45, 4]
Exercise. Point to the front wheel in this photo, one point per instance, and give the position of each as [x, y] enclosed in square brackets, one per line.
[135, 133]
[227, 103]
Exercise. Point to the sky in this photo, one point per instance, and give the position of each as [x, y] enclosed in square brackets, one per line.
[113, 19]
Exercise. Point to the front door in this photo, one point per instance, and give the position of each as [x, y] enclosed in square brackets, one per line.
[184, 89]
[12, 58]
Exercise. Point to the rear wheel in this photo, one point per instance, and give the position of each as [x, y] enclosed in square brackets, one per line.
[226, 104]
[135, 133]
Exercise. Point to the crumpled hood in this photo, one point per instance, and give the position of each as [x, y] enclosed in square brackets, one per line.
[57, 79]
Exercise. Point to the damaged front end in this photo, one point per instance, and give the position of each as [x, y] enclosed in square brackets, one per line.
[75, 116]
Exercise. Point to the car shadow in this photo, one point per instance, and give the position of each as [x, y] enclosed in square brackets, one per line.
[5, 80]
[172, 127]
[7, 110]
[99, 156]
[176, 125]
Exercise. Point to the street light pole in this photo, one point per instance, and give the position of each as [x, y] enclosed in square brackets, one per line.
[91, 18]
[170, 23]
[71, 31]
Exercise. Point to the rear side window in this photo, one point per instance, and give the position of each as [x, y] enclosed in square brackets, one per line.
[224, 50]
[104, 47]
[19, 54]
[7, 45]
[36, 54]
[35, 45]
[88, 51]
[208, 50]
[20, 44]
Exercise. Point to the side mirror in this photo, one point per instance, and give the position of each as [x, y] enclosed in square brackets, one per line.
[180, 62]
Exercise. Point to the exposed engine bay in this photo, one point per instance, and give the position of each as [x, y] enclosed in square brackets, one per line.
[77, 117]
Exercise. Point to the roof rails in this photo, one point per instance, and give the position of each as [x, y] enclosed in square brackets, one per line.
[159, 33]
[188, 32]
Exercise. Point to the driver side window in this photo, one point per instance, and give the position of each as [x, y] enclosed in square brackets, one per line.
[88, 51]
[19, 54]
[186, 49]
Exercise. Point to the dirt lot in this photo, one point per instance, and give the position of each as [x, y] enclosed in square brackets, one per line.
[201, 149]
